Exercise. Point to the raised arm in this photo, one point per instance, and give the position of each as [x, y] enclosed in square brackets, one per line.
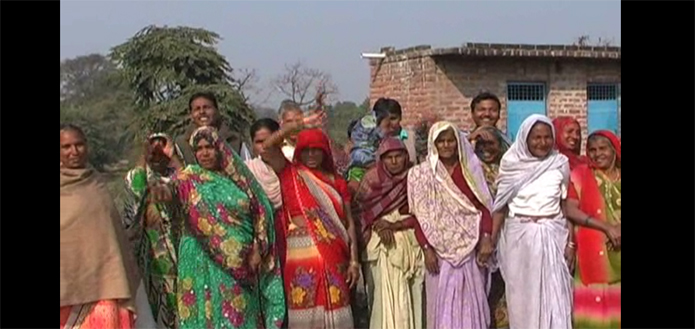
[271, 153]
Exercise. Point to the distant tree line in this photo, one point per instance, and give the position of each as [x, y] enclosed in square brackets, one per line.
[143, 85]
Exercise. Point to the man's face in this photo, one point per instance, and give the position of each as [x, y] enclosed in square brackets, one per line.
[203, 112]
[292, 116]
[486, 113]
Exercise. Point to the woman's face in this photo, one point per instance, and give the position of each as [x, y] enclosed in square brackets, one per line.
[206, 154]
[601, 152]
[446, 144]
[312, 157]
[489, 151]
[73, 149]
[571, 136]
[157, 159]
[540, 140]
[394, 161]
[258, 138]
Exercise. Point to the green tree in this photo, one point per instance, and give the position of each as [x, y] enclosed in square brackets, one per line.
[340, 115]
[93, 96]
[164, 66]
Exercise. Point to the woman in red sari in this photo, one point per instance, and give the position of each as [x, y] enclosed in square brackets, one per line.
[594, 202]
[321, 263]
[568, 139]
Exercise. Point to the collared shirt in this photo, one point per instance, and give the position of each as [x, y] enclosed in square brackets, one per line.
[288, 150]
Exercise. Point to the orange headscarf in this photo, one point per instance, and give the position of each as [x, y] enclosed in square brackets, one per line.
[574, 157]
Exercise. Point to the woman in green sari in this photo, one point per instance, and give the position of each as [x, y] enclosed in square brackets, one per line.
[228, 272]
[154, 228]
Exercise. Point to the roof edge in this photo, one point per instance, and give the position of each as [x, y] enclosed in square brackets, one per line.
[506, 50]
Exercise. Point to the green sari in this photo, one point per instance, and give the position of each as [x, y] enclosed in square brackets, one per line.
[226, 212]
[155, 229]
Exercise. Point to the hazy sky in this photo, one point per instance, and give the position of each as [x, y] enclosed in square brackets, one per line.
[330, 35]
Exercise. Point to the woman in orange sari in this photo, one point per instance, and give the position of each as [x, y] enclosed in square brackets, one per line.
[594, 203]
[321, 265]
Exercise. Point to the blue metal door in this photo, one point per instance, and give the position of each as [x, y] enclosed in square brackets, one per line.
[523, 99]
[602, 107]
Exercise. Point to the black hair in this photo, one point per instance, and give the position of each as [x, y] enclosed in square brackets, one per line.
[485, 96]
[74, 128]
[203, 94]
[266, 123]
[289, 106]
[387, 105]
[350, 127]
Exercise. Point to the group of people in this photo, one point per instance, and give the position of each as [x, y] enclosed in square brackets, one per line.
[482, 232]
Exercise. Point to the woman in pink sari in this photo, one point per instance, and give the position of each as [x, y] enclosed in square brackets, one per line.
[449, 196]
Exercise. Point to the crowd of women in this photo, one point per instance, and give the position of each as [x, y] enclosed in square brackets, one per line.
[479, 232]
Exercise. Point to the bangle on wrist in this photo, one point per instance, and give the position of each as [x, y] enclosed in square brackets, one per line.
[571, 245]
[586, 220]
[354, 263]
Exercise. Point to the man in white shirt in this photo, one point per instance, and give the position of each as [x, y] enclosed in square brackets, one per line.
[289, 112]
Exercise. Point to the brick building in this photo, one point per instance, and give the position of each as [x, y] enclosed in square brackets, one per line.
[583, 82]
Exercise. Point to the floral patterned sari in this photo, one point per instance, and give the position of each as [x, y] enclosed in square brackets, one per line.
[226, 212]
[316, 240]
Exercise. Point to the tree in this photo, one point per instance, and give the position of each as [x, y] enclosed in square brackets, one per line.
[300, 83]
[86, 77]
[93, 96]
[340, 115]
[585, 41]
[164, 66]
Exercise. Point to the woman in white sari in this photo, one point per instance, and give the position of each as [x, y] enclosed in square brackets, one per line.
[534, 242]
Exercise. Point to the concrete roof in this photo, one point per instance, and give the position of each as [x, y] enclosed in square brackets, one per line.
[506, 50]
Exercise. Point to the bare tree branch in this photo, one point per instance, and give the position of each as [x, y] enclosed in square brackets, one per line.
[299, 83]
[585, 41]
[247, 82]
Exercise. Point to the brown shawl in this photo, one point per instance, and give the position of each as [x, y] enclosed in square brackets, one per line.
[96, 262]
[380, 192]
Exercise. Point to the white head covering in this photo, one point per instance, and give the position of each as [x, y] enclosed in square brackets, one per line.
[519, 167]
[471, 165]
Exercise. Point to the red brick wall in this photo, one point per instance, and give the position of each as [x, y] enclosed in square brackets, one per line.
[446, 85]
